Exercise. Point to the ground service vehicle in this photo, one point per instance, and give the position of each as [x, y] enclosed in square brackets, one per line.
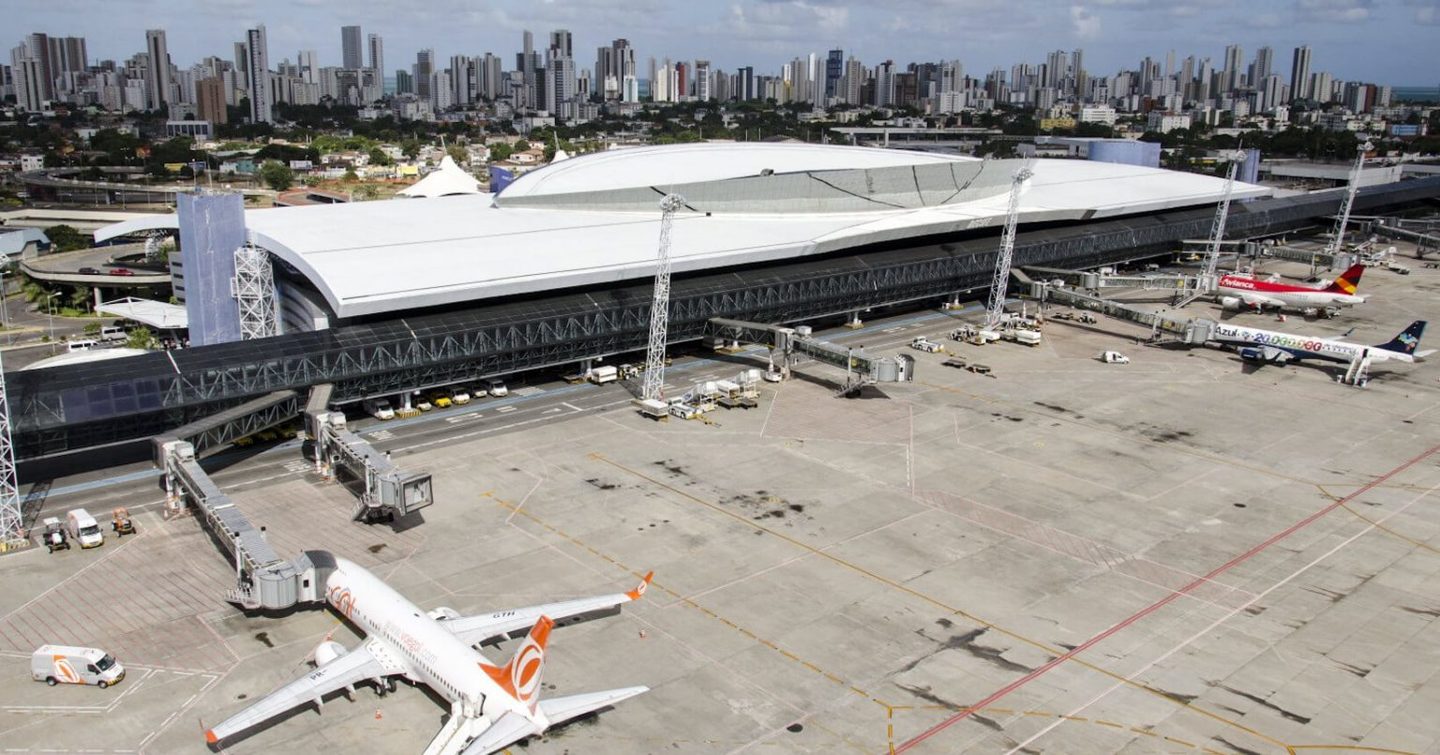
[603, 375]
[54, 535]
[496, 387]
[83, 528]
[65, 664]
[120, 522]
[1114, 357]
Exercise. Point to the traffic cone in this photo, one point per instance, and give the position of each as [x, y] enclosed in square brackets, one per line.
[377, 714]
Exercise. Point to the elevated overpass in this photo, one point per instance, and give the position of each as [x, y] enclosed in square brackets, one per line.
[64, 409]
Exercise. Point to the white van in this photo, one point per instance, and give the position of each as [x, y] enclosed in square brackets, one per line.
[63, 664]
[496, 387]
[112, 333]
[83, 529]
[81, 344]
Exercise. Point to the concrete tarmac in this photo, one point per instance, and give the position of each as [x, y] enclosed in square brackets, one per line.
[1182, 554]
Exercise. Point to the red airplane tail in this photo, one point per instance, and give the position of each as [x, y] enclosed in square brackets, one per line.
[1348, 281]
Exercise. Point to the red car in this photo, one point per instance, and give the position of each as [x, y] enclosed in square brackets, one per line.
[121, 271]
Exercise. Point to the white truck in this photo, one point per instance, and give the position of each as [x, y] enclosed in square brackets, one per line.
[603, 375]
[380, 409]
[64, 664]
[1024, 336]
[1114, 357]
[921, 343]
[83, 529]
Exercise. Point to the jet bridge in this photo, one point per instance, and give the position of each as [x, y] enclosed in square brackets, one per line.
[1424, 234]
[386, 492]
[792, 344]
[1044, 291]
[263, 580]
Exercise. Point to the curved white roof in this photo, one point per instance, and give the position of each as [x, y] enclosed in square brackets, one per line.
[694, 163]
[372, 257]
[447, 180]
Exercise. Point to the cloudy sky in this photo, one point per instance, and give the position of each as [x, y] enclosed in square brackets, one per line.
[1386, 41]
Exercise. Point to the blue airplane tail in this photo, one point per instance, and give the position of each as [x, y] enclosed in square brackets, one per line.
[1408, 340]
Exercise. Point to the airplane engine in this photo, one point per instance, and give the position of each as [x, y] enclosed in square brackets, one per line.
[1252, 355]
[328, 651]
[1231, 303]
[443, 613]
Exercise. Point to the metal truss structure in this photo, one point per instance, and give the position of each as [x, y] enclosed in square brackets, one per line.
[254, 292]
[65, 408]
[12, 514]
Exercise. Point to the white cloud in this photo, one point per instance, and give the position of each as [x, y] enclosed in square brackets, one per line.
[1086, 23]
[1333, 11]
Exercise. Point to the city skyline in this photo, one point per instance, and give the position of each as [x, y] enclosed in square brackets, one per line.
[1115, 34]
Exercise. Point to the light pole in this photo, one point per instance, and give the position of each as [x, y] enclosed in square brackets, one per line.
[50, 302]
[4, 311]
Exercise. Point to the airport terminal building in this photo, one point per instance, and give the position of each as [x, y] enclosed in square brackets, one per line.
[378, 298]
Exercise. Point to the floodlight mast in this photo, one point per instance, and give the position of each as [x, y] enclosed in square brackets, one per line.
[1001, 281]
[1222, 215]
[1337, 244]
[654, 385]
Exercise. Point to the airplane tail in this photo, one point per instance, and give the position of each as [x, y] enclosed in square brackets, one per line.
[1348, 282]
[1408, 340]
[521, 676]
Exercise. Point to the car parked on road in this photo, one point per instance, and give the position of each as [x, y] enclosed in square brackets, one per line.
[121, 271]
[88, 271]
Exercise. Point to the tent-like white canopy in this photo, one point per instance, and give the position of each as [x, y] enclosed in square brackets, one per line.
[156, 314]
[447, 180]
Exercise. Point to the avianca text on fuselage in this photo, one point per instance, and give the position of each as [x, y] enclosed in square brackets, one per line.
[1237, 290]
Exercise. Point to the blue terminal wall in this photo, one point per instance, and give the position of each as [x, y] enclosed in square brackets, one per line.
[212, 227]
[1126, 152]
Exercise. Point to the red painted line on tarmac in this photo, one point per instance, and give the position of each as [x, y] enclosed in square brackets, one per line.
[1157, 605]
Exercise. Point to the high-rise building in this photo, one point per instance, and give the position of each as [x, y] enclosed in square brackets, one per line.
[377, 56]
[560, 43]
[1230, 74]
[27, 73]
[703, 85]
[404, 82]
[210, 100]
[834, 69]
[424, 70]
[350, 49]
[257, 68]
[67, 55]
[1262, 67]
[309, 69]
[490, 78]
[527, 68]
[1300, 74]
[745, 83]
[37, 47]
[157, 75]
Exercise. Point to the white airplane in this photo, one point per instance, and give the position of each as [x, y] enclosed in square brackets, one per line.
[1235, 291]
[1267, 346]
[490, 707]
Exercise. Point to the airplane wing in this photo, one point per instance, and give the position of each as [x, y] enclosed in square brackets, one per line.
[1257, 301]
[511, 728]
[355, 666]
[477, 629]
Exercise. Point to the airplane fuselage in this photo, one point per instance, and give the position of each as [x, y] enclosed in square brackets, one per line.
[1304, 347]
[432, 653]
[1280, 294]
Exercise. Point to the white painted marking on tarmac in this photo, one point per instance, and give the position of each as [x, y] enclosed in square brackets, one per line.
[381, 435]
[505, 409]
[571, 407]
[553, 410]
[529, 390]
[895, 329]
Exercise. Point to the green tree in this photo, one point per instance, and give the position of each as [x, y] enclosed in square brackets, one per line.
[500, 151]
[64, 238]
[379, 158]
[458, 154]
[350, 176]
[140, 338]
[411, 148]
[276, 175]
[522, 146]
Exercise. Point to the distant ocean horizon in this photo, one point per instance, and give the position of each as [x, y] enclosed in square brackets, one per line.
[1416, 94]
